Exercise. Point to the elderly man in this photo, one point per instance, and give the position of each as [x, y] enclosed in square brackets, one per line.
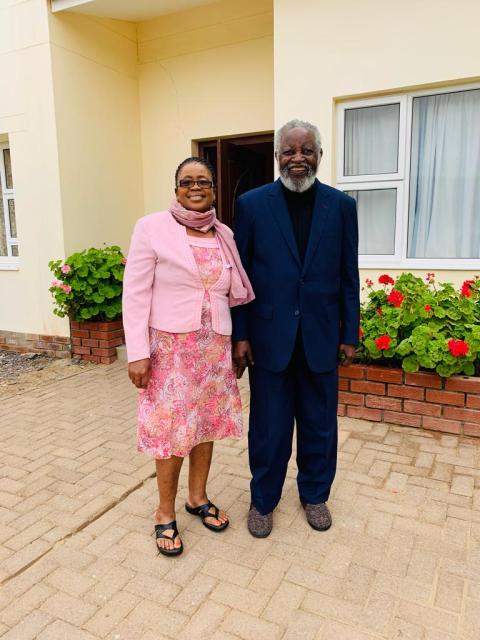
[298, 240]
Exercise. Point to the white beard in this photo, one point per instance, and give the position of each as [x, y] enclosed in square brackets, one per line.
[299, 185]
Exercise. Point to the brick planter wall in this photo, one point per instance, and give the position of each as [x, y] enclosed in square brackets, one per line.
[379, 394]
[56, 346]
[96, 341]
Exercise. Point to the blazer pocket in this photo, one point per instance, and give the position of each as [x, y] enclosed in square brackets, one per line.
[263, 310]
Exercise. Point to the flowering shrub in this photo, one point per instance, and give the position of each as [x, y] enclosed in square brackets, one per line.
[88, 286]
[418, 323]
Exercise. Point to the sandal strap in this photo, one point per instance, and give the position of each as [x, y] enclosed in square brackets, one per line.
[204, 510]
[160, 528]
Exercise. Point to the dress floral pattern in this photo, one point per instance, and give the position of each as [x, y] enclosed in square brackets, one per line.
[193, 395]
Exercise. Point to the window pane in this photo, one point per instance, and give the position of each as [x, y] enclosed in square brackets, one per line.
[8, 168]
[444, 204]
[376, 220]
[371, 140]
[3, 233]
[14, 248]
[13, 221]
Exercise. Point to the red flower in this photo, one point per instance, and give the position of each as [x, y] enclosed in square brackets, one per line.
[466, 289]
[379, 311]
[369, 282]
[386, 279]
[360, 332]
[427, 307]
[430, 277]
[458, 348]
[396, 298]
[383, 342]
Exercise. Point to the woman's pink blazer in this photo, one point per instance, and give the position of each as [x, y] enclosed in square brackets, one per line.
[162, 286]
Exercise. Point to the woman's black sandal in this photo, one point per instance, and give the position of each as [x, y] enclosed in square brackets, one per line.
[159, 535]
[203, 511]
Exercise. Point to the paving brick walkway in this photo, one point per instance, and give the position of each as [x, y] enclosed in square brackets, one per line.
[77, 562]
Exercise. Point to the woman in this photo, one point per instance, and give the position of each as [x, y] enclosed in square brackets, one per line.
[183, 273]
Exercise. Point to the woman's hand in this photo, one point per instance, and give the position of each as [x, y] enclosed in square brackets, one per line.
[139, 372]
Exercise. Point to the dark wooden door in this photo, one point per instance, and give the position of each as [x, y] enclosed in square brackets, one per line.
[241, 164]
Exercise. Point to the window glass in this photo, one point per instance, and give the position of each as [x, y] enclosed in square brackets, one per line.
[376, 220]
[444, 199]
[371, 140]
[8, 169]
[11, 214]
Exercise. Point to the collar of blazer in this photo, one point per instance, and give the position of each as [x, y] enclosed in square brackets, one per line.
[321, 212]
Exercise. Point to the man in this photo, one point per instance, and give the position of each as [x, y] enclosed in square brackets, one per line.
[298, 240]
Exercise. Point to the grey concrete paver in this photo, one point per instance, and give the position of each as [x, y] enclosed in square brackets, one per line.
[77, 559]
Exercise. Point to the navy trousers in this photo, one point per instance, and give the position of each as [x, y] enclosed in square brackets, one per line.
[277, 400]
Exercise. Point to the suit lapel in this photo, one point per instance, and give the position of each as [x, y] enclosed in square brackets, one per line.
[321, 212]
[280, 213]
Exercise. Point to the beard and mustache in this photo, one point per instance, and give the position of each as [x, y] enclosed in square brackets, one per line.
[298, 184]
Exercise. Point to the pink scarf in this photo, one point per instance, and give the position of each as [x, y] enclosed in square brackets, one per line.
[241, 290]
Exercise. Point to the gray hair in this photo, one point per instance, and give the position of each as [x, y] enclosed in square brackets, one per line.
[294, 124]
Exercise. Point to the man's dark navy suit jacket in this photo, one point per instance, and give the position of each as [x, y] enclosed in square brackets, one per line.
[322, 295]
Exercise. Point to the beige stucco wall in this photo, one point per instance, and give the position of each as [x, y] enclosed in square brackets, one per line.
[27, 116]
[327, 51]
[203, 73]
[94, 65]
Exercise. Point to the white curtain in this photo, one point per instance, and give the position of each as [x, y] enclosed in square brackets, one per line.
[376, 220]
[444, 205]
[371, 140]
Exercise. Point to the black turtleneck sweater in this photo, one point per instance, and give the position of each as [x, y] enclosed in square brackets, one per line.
[300, 208]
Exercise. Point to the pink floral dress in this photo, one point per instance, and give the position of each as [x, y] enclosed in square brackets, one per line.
[193, 395]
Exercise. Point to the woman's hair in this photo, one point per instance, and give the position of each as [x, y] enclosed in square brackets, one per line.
[196, 160]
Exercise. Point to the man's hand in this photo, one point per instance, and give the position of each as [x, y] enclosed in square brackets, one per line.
[242, 357]
[140, 372]
[346, 353]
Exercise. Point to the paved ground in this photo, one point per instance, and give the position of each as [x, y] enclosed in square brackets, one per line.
[77, 561]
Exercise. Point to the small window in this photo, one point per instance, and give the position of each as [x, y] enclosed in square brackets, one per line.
[8, 221]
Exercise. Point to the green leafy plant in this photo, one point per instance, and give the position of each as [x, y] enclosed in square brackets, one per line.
[88, 285]
[419, 324]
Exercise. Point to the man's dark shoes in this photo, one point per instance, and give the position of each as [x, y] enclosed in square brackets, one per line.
[318, 516]
[259, 526]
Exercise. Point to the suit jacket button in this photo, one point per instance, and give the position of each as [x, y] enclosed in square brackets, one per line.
[297, 312]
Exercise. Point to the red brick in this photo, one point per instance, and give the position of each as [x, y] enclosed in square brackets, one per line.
[88, 342]
[402, 391]
[81, 350]
[470, 429]
[377, 388]
[473, 401]
[62, 354]
[421, 379]
[110, 326]
[76, 341]
[63, 339]
[89, 326]
[343, 384]
[115, 342]
[2, 339]
[468, 415]
[341, 410]
[104, 352]
[95, 359]
[406, 419]
[80, 333]
[382, 402]
[438, 424]
[423, 408]
[41, 344]
[446, 397]
[107, 335]
[353, 371]
[382, 374]
[108, 360]
[374, 415]
[463, 383]
[74, 324]
[358, 399]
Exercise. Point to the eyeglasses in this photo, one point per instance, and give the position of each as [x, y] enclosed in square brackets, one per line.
[202, 183]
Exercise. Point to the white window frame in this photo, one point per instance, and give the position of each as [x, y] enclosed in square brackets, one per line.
[8, 262]
[401, 181]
